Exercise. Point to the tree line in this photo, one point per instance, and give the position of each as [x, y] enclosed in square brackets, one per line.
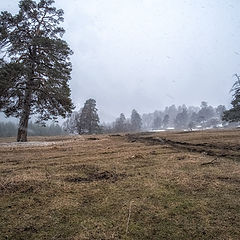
[86, 121]
[183, 117]
[123, 124]
[9, 129]
[172, 117]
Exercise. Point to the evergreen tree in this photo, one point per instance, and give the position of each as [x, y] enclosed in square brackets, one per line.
[206, 112]
[181, 120]
[220, 110]
[233, 115]
[35, 71]
[120, 124]
[172, 112]
[88, 121]
[165, 121]
[157, 122]
[136, 121]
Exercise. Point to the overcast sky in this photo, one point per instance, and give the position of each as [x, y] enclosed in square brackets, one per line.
[147, 54]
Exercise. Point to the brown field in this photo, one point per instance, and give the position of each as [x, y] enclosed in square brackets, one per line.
[174, 185]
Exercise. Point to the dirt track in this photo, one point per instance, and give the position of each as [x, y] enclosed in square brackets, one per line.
[209, 147]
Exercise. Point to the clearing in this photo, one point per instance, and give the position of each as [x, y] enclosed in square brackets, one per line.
[167, 185]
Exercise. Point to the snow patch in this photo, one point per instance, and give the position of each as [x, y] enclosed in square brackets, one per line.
[27, 144]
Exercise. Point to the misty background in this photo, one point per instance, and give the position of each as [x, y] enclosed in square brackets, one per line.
[148, 54]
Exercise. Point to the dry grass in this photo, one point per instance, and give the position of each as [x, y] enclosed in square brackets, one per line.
[108, 187]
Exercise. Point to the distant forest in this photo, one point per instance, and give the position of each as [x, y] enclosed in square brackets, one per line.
[183, 117]
[9, 129]
[179, 118]
[86, 121]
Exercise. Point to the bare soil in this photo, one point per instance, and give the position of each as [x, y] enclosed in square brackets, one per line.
[224, 144]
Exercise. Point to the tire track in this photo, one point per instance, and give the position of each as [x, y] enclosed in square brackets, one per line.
[210, 149]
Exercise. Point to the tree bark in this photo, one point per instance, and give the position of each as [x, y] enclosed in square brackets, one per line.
[23, 123]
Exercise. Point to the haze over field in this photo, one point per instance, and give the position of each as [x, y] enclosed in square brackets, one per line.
[147, 54]
[151, 150]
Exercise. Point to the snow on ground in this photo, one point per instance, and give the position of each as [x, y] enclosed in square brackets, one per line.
[41, 143]
[27, 144]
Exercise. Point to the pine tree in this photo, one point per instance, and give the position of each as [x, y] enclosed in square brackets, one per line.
[233, 115]
[88, 121]
[165, 121]
[136, 121]
[36, 68]
[157, 122]
[220, 110]
[181, 120]
[120, 124]
[206, 112]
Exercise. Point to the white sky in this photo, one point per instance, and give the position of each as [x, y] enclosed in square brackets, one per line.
[147, 54]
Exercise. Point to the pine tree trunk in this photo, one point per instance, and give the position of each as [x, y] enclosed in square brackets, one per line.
[23, 123]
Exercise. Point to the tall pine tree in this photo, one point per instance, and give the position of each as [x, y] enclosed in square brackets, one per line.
[88, 121]
[136, 121]
[36, 68]
[120, 124]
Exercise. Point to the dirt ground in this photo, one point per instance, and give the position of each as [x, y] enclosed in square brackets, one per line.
[219, 143]
[168, 185]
